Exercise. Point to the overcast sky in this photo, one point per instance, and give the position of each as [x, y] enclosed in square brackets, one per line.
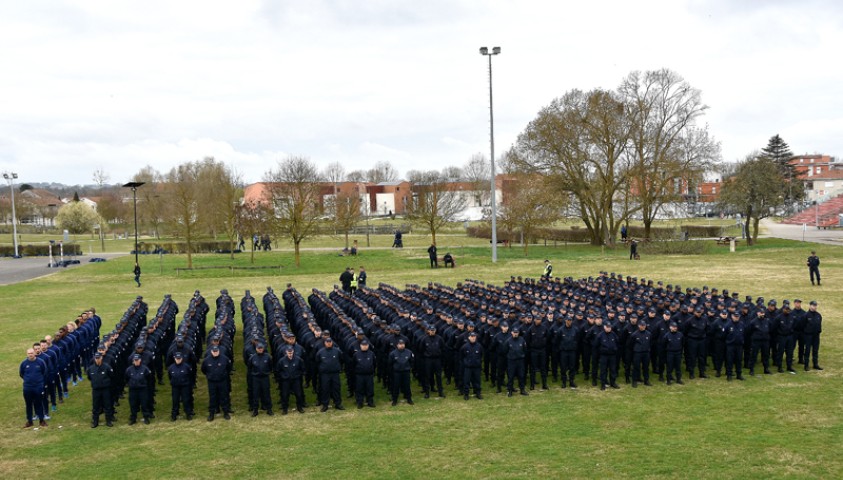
[119, 85]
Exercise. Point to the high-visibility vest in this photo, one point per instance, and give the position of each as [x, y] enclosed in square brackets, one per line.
[353, 281]
[547, 269]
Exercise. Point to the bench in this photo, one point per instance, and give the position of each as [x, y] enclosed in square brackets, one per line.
[727, 240]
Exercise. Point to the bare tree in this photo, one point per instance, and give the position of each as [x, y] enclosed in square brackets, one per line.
[100, 178]
[220, 190]
[151, 200]
[580, 141]
[184, 200]
[477, 172]
[757, 189]
[294, 193]
[533, 203]
[252, 217]
[669, 151]
[452, 173]
[382, 172]
[356, 176]
[347, 213]
[434, 203]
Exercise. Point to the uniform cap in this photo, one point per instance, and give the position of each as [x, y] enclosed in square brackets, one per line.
[364, 342]
[215, 348]
[98, 355]
[472, 334]
[177, 355]
[673, 324]
[400, 341]
[136, 357]
[813, 302]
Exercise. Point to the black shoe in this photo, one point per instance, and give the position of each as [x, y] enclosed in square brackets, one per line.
[648, 384]
[603, 387]
[132, 421]
[426, 395]
[728, 378]
[146, 421]
[371, 404]
[94, 424]
[615, 386]
[634, 384]
[359, 405]
[717, 374]
[509, 393]
[189, 417]
[283, 411]
[806, 368]
[226, 416]
[544, 387]
[479, 397]
[300, 409]
[690, 376]
[465, 397]
[817, 367]
[791, 370]
[109, 423]
[324, 408]
[394, 403]
[441, 394]
[173, 418]
[410, 402]
[739, 377]
[254, 413]
[702, 375]
[767, 371]
[781, 370]
[339, 407]
[211, 417]
[524, 393]
[669, 381]
[270, 412]
[680, 382]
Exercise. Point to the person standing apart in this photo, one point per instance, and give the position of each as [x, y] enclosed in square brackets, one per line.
[814, 267]
[33, 371]
[431, 252]
[137, 272]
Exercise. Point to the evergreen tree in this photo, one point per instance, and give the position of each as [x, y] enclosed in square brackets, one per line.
[779, 152]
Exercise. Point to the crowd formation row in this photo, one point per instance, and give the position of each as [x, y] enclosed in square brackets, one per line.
[526, 332]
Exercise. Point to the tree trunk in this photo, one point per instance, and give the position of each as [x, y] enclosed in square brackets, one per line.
[755, 222]
[253, 251]
[298, 253]
[346, 239]
[433, 235]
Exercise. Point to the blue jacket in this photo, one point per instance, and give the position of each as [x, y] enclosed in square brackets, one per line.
[34, 374]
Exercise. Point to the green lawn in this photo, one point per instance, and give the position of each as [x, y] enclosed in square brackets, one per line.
[778, 426]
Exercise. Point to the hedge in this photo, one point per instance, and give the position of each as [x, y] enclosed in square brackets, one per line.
[672, 248]
[40, 250]
[703, 231]
[181, 247]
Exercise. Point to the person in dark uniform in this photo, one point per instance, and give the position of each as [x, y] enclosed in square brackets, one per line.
[329, 365]
[139, 379]
[472, 360]
[431, 349]
[814, 267]
[290, 372]
[100, 375]
[759, 333]
[633, 250]
[734, 347]
[33, 371]
[718, 342]
[642, 345]
[137, 272]
[361, 277]
[449, 260]
[812, 327]
[783, 326]
[431, 252]
[217, 369]
[499, 341]
[695, 331]
[608, 345]
[673, 341]
[260, 368]
[568, 337]
[346, 278]
[516, 354]
[401, 364]
[181, 381]
[537, 342]
[364, 363]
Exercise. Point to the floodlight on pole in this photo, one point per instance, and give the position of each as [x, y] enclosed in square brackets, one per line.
[495, 51]
[134, 186]
[11, 177]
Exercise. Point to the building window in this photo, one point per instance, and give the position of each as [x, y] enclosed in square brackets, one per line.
[829, 184]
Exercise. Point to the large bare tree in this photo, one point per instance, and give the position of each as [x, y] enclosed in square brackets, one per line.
[534, 202]
[294, 193]
[669, 151]
[183, 192]
[253, 216]
[477, 172]
[347, 212]
[152, 201]
[757, 189]
[579, 141]
[434, 203]
[220, 190]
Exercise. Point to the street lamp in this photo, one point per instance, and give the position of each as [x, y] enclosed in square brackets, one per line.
[10, 177]
[495, 51]
[134, 186]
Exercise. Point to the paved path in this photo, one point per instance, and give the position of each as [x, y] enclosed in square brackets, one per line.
[15, 270]
[795, 232]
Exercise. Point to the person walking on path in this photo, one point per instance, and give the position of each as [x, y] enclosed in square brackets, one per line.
[137, 272]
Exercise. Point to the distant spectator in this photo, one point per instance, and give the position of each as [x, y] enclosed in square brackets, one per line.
[449, 260]
[354, 249]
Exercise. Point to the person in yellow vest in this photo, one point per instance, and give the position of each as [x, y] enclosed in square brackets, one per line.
[548, 269]
[353, 281]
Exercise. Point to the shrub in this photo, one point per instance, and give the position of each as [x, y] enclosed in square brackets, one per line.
[703, 231]
[39, 250]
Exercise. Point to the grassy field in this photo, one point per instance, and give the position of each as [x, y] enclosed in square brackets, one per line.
[779, 426]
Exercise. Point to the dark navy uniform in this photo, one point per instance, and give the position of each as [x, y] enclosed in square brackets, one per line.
[812, 327]
[567, 339]
[432, 348]
[759, 333]
[783, 326]
[139, 379]
[260, 368]
[181, 381]
[642, 345]
[329, 366]
[100, 377]
[673, 341]
[291, 370]
[217, 370]
[537, 342]
[472, 360]
[401, 364]
[364, 374]
[608, 345]
[734, 347]
[516, 354]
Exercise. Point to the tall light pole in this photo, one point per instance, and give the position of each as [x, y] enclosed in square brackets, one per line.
[134, 186]
[10, 177]
[495, 51]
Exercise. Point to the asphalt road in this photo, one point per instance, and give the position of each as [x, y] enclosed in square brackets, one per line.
[16, 270]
